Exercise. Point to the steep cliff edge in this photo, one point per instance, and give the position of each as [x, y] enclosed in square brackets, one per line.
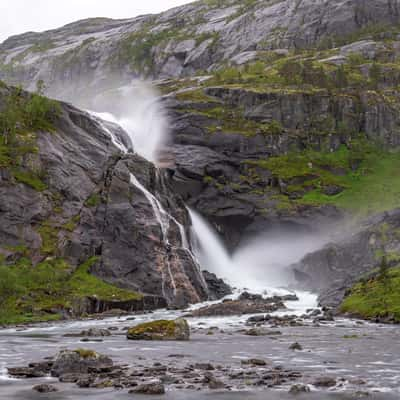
[76, 231]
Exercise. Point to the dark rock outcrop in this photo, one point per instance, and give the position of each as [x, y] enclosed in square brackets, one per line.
[217, 288]
[91, 208]
[243, 305]
[80, 362]
[334, 269]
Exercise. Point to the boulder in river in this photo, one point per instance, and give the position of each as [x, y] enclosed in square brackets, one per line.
[152, 388]
[44, 388]
[80, 361]
[245, 304]
[161, 330]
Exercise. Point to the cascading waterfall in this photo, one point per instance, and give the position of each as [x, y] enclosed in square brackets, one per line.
[147, 130]
[258, 265]
[140, 114]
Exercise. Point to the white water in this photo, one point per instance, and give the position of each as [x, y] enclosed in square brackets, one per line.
[259, 265]
[142, 117]
[162, 216]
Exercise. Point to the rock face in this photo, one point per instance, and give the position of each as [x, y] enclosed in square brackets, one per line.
[217, 288]
[81, 59]
[335, 268]
[245, 304]
[223, 129]
[87, 207]
[161, 330]
[80, 362]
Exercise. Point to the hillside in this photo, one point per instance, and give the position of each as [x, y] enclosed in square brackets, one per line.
[284, 114]
[99, 54]
[77, 233]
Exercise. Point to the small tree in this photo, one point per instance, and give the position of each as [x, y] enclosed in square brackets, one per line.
[291, 72]
[375, 74]
[341, 77]
[40, 87]
[384, 275]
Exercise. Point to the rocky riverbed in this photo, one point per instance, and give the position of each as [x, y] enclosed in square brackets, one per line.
[244, 357]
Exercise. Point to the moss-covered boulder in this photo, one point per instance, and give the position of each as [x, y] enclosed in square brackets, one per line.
[161, 330]
[80, 361]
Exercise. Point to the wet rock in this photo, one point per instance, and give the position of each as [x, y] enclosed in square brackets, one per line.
[151, 388]
[161, 330]
[95, 332]
[325, 381]
[71, 377]
[217, 288]
[80, 361]
[297, 389]
[44, 388]
[254, 361]
[26, 372]
[246, 304]
[250, 296]
[261, 332]
[296, 346]
[204, 366]
[212, 382]
[256, 319]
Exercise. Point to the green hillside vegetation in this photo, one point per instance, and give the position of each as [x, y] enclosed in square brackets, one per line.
[376, 297]
[41, 293]
[22, 116]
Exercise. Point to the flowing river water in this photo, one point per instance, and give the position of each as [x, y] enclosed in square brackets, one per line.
[362, 357]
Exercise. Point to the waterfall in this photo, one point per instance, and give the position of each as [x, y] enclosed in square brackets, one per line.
[208, 247]
[162, 216]
[259, 264]
[137, 109]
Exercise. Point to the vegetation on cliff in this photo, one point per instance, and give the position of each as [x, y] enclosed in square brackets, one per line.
[376, 297]
[50, 290]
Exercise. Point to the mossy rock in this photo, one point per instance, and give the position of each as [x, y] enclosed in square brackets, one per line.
[161, 330]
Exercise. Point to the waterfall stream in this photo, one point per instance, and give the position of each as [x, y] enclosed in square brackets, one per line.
[258, 264]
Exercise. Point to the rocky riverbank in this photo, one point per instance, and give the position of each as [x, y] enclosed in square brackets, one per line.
[292, 354]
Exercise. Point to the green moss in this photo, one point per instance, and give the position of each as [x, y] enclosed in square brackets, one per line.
[93, 201]
[21, 118]
[72, 223]
[196, 95]
[164, 327]
[372, 188]
[82, 284]
[39, 293]
[375, 297]
[86, 353]
[49, 235]
[30, 179]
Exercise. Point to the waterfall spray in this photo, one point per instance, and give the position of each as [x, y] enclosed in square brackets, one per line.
[258, 263]
[137, 109]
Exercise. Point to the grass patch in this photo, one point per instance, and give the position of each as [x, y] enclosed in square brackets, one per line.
[375, 297]
[82, 284]
[93, 201]
[30, 179]
[366, 174]
[39, 293]
[374, 187]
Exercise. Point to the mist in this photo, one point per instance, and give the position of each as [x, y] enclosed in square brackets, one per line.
[138, 110]
[258, 263]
